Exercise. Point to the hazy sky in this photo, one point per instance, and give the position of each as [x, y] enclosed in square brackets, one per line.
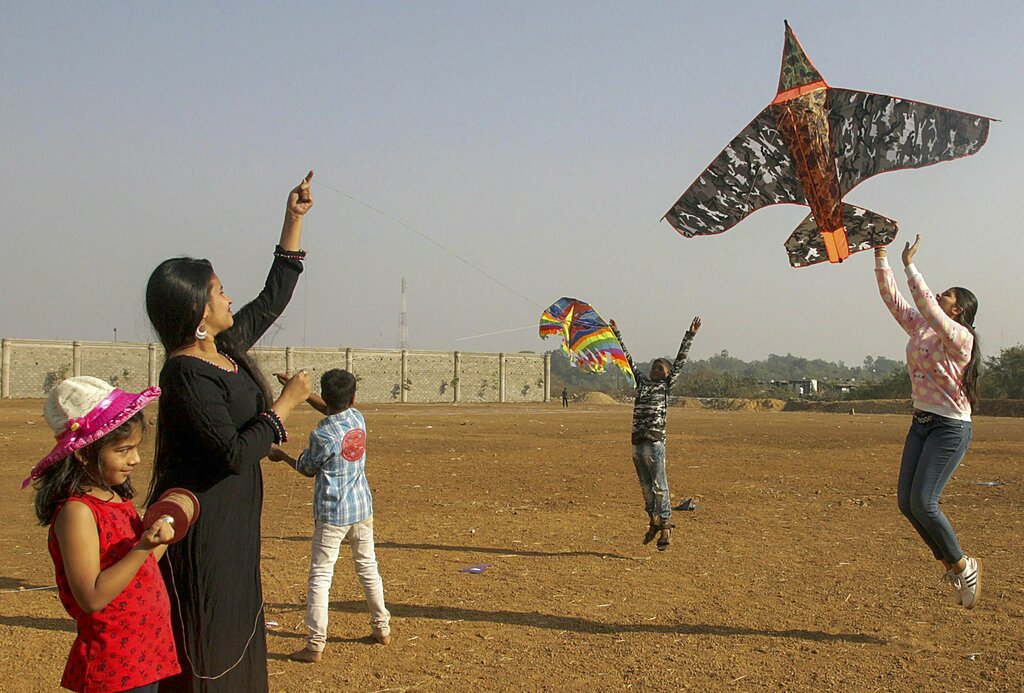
[540, 141]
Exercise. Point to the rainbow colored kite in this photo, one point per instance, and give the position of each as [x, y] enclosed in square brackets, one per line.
[586, 338]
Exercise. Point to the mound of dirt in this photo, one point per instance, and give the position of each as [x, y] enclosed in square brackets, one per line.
[1001, 407]
[860, 406]
[730, 404]
[987, 407]
[597, 398]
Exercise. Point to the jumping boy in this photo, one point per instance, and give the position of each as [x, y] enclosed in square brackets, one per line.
[342, 508]
[650, 408]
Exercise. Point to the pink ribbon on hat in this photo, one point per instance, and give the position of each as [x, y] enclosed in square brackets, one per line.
[85, 423]
[112, 411]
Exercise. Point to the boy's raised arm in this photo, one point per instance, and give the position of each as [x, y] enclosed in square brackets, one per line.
[625, 351]
[317, 402]
[314, 400]
[684, 348]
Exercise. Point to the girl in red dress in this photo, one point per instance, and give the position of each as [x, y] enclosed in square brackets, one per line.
[107, 576]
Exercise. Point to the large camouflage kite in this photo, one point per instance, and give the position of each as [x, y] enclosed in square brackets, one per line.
[813, 144]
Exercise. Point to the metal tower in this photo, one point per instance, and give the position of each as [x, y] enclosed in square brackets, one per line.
[403, 326]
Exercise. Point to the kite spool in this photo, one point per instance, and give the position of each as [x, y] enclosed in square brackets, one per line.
[179, 507]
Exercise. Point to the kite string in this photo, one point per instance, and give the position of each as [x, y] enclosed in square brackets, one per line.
[461, 259]
[532, 326]
[425, 237]
[184, 638]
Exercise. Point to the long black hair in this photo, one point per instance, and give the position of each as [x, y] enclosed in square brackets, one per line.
[968, 304]
[176, 296]
[69, 477]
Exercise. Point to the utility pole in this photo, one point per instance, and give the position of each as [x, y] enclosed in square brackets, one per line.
[403, 325]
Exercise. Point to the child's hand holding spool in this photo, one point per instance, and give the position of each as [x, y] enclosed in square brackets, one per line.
[173, 513]
[160, 532]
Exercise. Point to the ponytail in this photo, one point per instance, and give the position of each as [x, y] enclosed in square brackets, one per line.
[968, 304]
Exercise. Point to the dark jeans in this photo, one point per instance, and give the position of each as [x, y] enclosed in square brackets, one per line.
[148, 688]
[933, 449]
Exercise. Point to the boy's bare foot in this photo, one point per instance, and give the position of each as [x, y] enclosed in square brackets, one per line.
[382, 635]
[306, 655]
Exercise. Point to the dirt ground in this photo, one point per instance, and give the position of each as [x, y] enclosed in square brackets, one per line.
[795, 573]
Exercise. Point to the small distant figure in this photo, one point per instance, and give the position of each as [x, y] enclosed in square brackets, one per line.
[342, 508]
[565, 397]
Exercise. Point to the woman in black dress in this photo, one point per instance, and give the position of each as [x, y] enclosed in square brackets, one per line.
[217, 420]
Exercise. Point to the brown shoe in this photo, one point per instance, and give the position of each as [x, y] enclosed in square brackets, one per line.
[665, 540]
[382, 635]
[653, 530]
[306, 655]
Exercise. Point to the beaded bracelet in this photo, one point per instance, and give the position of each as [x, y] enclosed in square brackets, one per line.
[280, 434]
[289, 254]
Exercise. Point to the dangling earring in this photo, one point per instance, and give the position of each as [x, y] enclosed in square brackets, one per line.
[201, 332]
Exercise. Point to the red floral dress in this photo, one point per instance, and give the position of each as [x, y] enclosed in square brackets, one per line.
[129, 642]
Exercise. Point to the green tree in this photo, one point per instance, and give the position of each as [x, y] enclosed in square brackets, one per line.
[896, 385]
[723, 375]
[1004, 374]
[876, 367]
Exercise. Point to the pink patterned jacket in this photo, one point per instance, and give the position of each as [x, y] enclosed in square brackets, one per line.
[939, 348]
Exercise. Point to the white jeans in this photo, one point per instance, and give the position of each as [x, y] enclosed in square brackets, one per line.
[326, 545]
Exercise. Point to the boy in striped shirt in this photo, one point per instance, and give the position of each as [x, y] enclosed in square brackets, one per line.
[342, 508]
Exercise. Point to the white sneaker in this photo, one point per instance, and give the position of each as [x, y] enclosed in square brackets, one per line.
[968, 583]
[950, 578]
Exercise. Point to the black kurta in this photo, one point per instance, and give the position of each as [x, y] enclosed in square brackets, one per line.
[211, 440]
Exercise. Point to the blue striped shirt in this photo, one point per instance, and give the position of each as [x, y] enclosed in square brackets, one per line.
[337, 456]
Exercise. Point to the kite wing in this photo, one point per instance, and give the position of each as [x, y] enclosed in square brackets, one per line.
[586, 337]
[754, 171]
[864, 230]
[873, 133]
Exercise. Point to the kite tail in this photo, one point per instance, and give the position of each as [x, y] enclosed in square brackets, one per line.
[864, 230]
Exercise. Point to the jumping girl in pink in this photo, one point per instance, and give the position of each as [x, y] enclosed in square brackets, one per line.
[943, 359]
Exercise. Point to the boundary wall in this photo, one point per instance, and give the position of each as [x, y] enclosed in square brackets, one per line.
[30, 367]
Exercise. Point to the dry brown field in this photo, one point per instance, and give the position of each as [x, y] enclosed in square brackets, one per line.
[797, 571]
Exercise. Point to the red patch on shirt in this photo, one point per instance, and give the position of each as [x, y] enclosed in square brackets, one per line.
[353, 445]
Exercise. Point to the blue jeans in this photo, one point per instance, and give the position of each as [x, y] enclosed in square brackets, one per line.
[649, 460]
[935, 446]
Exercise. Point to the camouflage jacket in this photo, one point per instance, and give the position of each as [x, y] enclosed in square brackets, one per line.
[650, 405]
